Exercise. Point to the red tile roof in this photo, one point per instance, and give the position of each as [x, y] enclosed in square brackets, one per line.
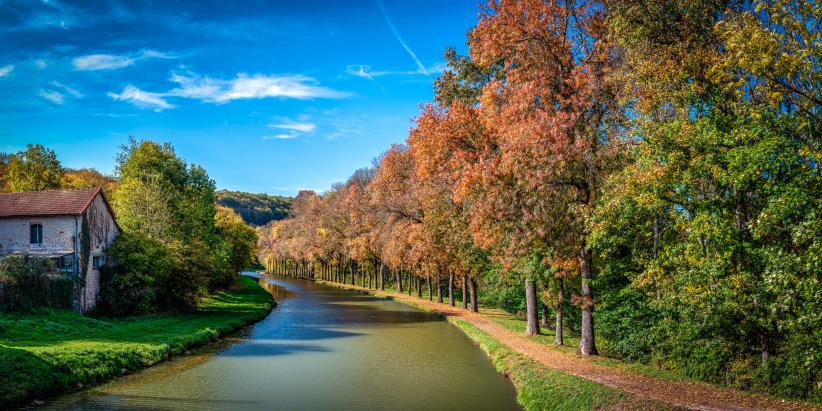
[48, 202]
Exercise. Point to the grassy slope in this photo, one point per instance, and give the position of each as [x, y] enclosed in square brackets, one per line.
[53, 350]
[540, 388]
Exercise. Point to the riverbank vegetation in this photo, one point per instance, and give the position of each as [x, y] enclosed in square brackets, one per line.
[49, 350]
[539, 386]
[177, 244]
[654, 167]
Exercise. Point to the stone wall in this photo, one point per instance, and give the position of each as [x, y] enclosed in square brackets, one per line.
[102, 231]
[58, 234]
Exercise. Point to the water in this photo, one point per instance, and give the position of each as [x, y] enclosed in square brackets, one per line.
[321, 349]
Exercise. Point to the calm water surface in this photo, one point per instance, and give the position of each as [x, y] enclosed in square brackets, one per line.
[321, 349]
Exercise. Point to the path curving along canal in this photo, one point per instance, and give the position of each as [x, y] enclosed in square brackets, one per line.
[322, 348]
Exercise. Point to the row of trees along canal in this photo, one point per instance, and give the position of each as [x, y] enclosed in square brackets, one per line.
[664, 154]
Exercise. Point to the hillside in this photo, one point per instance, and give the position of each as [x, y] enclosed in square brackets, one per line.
[255, 209]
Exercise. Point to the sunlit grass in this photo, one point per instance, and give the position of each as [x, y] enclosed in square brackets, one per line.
[53, 350]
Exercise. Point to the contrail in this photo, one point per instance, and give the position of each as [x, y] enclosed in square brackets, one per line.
[399, 38]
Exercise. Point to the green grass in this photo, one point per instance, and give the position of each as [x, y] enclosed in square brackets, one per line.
[541, 388]
[50, 351]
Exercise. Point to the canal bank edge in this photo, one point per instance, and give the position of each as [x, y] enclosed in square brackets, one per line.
[538, 387]
[641, 390]
[81, 351]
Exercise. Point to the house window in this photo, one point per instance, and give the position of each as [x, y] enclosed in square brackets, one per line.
[98, 261]
[66, 263]
[36, 233]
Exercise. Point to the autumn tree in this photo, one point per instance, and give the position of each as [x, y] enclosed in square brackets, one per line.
[556, 122]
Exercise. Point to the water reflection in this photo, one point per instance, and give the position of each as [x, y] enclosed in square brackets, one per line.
[321, 348]
[277, 291]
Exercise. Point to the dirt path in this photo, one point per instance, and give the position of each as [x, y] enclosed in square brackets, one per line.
[686, 394]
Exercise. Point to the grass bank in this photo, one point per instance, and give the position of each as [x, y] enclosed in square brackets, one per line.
[541, 388]
[51, 351]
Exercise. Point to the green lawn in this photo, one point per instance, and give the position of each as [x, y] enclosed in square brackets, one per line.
[51, 351]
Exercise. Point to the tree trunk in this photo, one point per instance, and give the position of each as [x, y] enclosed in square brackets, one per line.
[543, 321]
[473, 288]
[464, 292]
[430, 290]
[419, 287]
[410, 286]
[532, 324]
[439, 291]
[558, 340]
[382, 277]
[587, 342]
[399, 280]
[451, 290]
[353, 271]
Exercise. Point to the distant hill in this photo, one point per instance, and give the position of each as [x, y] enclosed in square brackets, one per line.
[255, 209]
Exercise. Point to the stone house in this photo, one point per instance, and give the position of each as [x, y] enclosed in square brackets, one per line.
[70, 227]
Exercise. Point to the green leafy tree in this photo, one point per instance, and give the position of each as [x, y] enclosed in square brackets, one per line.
[717, 219]
[241, 239]
[173, 203]
[33, 169]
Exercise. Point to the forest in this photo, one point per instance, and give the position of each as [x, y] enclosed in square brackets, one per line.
[255, 209]
[641, 175]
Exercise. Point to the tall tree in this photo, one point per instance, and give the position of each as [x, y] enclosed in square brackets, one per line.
[33, 169]
[557, 125]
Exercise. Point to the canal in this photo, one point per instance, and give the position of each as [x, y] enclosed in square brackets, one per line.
[322, 348]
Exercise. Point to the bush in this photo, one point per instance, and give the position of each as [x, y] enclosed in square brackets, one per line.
[27, 282]
[137, 272]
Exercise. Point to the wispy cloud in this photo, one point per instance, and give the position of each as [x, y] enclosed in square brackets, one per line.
[410, 52]
[40, 63]
[54, 96]
[220, 91]
[72, 91]
[365, 71]
[93, 62]
[6, 70]
[142, 99]
[301, 127]
[284, 136]
[244, 86]
[59, 92]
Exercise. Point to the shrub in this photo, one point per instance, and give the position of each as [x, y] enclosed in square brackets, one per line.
[27, 282]
[138, 269]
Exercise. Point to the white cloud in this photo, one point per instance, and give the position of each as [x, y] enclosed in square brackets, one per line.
[40, 63]
[54, 96]
[94, 62]
[250, 87]
[74, 93]
[280, 136]
[6, 70]
[142, 99]
[365, 71]
[101, 62]
[219, 91]
[300, 127]
[154, 54]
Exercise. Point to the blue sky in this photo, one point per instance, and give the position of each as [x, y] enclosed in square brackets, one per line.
[268, 96]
